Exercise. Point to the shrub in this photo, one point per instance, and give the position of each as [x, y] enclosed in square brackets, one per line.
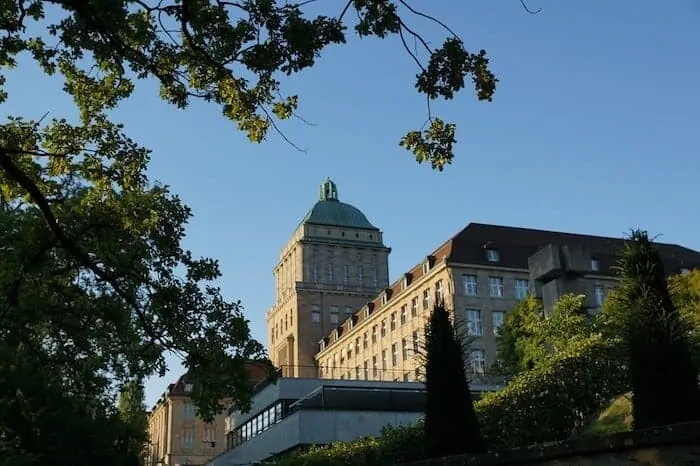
[394, 445]
[555, 399]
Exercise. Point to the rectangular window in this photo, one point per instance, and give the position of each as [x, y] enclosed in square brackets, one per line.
[595, 265]
[187, 438]
[477, 361]
[334, 315]
[439, 292]
[474, 323]
[384, 361]
[496, 287]
[469, 285]
[365, 368]
[426, 299]
[394, 354]
[360, 275]
[416, 342]
[383, 328]
[384, 299]
[405, 377]
[188, 388]
[492, 255]
[497, 318]
[404, 314]
[346, 274]
[414, 307]
[599, 295]
[375, 367]
[404, 349]
[187, 410]
[348, 311]
[331, 278]
[314, 273]
[375, 277]
[210, 435]
[522, 288]
[393, 321]
[357, 345]
[315, 314]
[374, 334]
[364, 340]
[357, 373]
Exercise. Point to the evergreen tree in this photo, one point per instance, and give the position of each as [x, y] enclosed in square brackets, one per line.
[663, 377]
[451, 425]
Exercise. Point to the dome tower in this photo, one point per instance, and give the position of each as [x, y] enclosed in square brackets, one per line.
[334, 264]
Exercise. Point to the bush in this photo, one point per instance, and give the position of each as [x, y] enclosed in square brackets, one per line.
[555, 399]
[394, 445]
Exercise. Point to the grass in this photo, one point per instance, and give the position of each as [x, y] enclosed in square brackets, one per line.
[614, 419]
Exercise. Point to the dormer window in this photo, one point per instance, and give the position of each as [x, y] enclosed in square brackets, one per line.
[406, 281]
[188, 388]
[365, 312]
[336, 335]
[493, 255]
[385, 298]
[322, 345]
[685, 271]
[426, 267]
[595, 265]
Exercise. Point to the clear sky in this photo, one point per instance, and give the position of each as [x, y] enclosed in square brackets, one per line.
[594, 129]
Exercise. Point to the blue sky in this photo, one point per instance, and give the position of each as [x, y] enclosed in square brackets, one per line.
[593, 129]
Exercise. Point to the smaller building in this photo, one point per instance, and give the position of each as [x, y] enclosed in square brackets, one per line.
[291, 413]
[177, 436]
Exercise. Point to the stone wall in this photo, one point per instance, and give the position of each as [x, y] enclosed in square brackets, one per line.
[671, 445]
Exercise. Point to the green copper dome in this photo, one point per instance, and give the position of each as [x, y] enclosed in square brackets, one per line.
[330, 211]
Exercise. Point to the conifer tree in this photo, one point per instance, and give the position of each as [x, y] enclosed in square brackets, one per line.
[451, 425]
[663, 377]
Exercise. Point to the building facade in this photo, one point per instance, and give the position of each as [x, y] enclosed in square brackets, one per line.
[292, 413]
[481, 273]
[177, 436]
[336, 316]
[333, 264]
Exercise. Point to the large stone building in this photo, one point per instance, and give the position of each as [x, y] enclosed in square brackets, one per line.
[337, 316]
[177, 436]
[334, 263]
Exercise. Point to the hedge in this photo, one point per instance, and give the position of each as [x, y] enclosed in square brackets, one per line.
[545, 404]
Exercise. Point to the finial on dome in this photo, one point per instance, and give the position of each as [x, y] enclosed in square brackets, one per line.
[329, 191]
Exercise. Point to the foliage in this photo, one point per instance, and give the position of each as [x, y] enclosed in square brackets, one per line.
[395, 445]
[685, 293]
[42, 421]
[528, 338]
[663, 377]
[554, 399]
[234, 54]
[451, 426]
[132, 412]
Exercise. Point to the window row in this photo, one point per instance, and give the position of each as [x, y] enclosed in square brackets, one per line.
[475, 322]
[345, 274]
[188, 440]
[400, 351]
[496, 286]
[258, 424]
[476, 365]
[333, 314]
